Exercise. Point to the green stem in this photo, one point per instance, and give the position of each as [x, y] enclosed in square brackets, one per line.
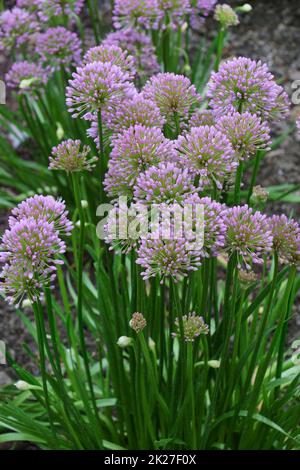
[77, 195]
[102, 156]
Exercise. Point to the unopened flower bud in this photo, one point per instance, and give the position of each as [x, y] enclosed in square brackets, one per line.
[247, 277]
[124, 342]
[138, 322]
[226, 16]
[246, 8]
[84, 204]
[151, 344]
[259, 195]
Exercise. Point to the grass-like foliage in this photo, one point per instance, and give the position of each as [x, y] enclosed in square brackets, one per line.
[156, 339]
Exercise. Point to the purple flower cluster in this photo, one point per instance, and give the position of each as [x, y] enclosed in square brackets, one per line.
[286, 239]
[129, 112]
[16, 28]
[69, 156]
[58, 46]
[31, 247]
[242, 84]
[248, 234]
[137, 13]
[166, 257]
[165, 184]
[207, 153]
[246, 133]
[193, 327]
[96, 86]
[174, 94]
[26, 76]
[134, 151]
[139, 46]
[112, 54]
[51, 8]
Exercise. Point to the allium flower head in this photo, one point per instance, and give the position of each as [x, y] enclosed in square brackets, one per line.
[139, 46]
[26, 76]
[112, 54]
[286, 238]
[58, 46]
[246, 133]
[135, 150]
[33, 242]
[167, 183]
[138, 322]
[248, 234]
[166, 257]
[242, 84]
[214, 225]
[225, 15]
[16, 28]
[31, 247]
[95, 86]
[69, 156]
[298, 124]
[259, 195]
[136, 13]
[174, 95]
[247, 278]
[208, 153]
[176, 10]
[193, 327]
[202, 117]
[200, 10]
[43, 207]
[30, 5]
[52, 8]
[129, 112]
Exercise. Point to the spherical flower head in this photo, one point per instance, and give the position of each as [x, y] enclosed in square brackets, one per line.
[286, 239]
[246, 133]
[193, 327]
[71, 156]
[208, 153]
[129, 112]
[51, 8]
[201, 117]
[247, 278]
[215, 229]
[135, 150]
[33, 242]
[248, 234]
[168, 183]
[175, 10]
[17, 282]
[96, 86]
[166, 257]
[242, 84]
[26, 77]
[139, 46]
[298, 124]
[112, 54]
[136, 13]
[259, 195]
[29, 5]
[200, 10]
[225, 15]
[58, 46]
[174, 94]
[43, 207]
[138, 322]
[16, 28]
